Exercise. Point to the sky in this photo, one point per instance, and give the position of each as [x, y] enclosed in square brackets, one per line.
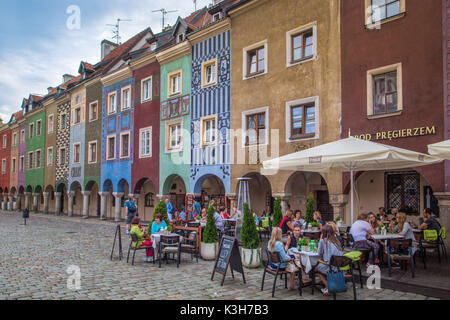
[40, 41]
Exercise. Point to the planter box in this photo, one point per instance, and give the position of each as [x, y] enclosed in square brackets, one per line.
[209, 251]
[251, 258]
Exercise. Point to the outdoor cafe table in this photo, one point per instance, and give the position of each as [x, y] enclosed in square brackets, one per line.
[308, 259]
[156, 238]
[388, 236]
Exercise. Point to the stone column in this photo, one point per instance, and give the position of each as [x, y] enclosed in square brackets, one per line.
[45, 194]
[339, 201]
[70, 196]
[35, 202]
[103, 196]
[444, 212]
[27, 199]
[86, 195]
[9, 205]
[58, 196]
[284, 201]
[18, 202]
[4, 198]
[118, 207]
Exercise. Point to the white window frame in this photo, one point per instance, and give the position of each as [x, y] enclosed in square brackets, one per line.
[3, 166]
[22, 164]
[5, 141]
[65, 156]
[50, 163]
[23, 136]
[74, 153]
[114, 93]
[36, 158]
[90, 152]
[374, 72]
[289, 59]
[63, 115]
[141, 132]
[245, 51]
[374, 25]
[38, 125]
[169, 82]
[13, 165]
[74, 117]
[14, 139]
[143, 81]
[31, 131]
[212, 62]
[202, 130]
[107, 147]
[122, 103]
[244, 125]
[51, 124]
[298, 102]
[129, 145]
[90, 111]
[167, 140]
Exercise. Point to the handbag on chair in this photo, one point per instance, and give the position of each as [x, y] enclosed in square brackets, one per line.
[336, 282]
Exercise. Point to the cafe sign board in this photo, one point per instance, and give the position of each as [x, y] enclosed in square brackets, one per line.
[398, 134]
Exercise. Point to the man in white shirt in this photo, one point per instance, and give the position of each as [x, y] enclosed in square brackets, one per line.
[361, 231]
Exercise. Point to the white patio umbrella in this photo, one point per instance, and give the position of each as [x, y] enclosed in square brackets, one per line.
[349, 155]
[440, 149]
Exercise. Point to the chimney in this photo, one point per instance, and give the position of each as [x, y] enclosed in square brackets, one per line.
[107, 47]
[67, 77]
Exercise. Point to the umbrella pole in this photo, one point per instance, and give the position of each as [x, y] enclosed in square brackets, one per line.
[351, 196]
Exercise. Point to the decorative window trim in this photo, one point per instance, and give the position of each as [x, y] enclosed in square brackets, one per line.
[374, 25]
[90, 143]
[65, 156]
[245, 51]
[23, 136]
[5, 141]
[204, 66]
[22, 164]
[169, 83]
[36, 159]
[108, 108]
[63, 115]
[30, 163]
[244, 126]
[298, 102]
[74, 153]
[122, 100]
[90, 105]
[107, 147]
[374, 72]
[40, 131]
[3, 166]
[289, 34]
[51, 129]
[202, 130]
[75, 116]
[129, 145]
[143, 99]
[167, 135]
[14, 139]
[31, 131]
[49, 164]
[13, 167]
[141, 131]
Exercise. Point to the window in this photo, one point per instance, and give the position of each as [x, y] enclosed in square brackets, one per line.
[5, 141]
[38, 127]
[38, 159]
[209, 73]
[92, 156]
[93, 111]
[384, 91]
[174, 84]
[149, 200]
[180, 38]
[302, 119]
[256, 127]
[77, 115]
[62, 156]
[126, 98]
[174, 136]
[125, 145]
[22, 164]
[49, 157]
[50, 123]
[63, 121]
[13, 165]
[22, 136]
[76, 152]
[111, 102]
[255, 60]
[146, 89]
[403, 191]
[3, 166]
[145, 142]
[381, 11]
[30, 160]
[302, 46]
[31, 134]
[14, 139]
[209, 131]
[217, 16]
[111, 148]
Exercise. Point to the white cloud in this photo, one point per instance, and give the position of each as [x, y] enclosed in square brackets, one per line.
[33, 70]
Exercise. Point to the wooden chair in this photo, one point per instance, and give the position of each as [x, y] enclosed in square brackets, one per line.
[312, 235]
[229, 228]
[169, 245]
[274, 258]
[189, 245]
[135, 239]
[400, 250]
[193, 224]
[342, 262]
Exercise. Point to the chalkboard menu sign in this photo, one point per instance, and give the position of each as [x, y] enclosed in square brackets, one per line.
[228, 256]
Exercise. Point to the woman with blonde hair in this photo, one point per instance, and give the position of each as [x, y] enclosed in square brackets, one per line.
[336, 232]
[318, 218]
[276, 245]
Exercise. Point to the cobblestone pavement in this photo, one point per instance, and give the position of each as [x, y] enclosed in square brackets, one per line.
[34, 260]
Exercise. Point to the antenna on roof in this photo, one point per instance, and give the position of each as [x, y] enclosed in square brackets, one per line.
[116, 29]
[195, 5]
[164, 13]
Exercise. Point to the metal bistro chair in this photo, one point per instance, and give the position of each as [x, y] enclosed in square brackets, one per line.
[169, 245]
[345, 265]
[400, 250]
[134, 239]
[442, 237]
[189, 245]
[424, 245]
[363, 258]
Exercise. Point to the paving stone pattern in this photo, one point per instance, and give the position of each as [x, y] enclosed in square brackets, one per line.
[34, 261]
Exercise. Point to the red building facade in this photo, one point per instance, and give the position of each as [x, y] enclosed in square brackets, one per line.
[5, 164]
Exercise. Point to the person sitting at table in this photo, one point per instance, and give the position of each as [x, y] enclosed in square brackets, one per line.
[382, 215]
[204, 215]
[219, 221]
[393, 216]
[328, 247]
[404, 228]
[142, 238]
[158, 224]
[361, 230]
[224, 213]
[294, 238]
[430, 222]
[374, 223]
[275, 245]
[336, 231]
[298, 220]
[286, 224]
[318, 218]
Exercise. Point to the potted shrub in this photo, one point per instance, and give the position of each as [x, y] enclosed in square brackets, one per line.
[210, 238]
[251, 252]
[310, 208]
[277, 216]
[315, 226]
[304, 243]
[160, 208]
[338, 222]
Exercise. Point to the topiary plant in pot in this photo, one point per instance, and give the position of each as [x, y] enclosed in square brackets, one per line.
[251, 252]
[310, 208]
[277, 214]
[160, 208]
[210, 237]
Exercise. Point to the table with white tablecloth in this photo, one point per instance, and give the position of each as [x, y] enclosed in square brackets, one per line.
[156, 238]
[308, 259]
